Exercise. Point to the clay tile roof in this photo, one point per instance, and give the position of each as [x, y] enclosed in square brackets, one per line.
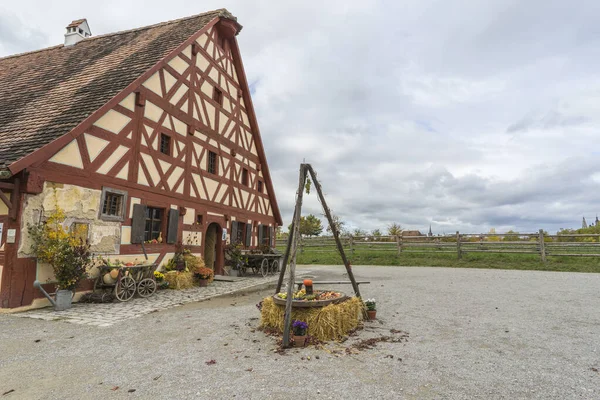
[76, 23]
[45, 94]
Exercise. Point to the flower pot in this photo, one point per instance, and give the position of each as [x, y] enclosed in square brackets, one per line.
[299, 341]
[203, 282]
[372, 314]
[63, 300]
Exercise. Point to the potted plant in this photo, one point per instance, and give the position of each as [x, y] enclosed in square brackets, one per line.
[160, 280]
[299, 328]
[371, 305]
[69, 257]
[204, 276]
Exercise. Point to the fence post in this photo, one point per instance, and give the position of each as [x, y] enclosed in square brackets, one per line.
[351, 244]
[458, 251]
[398, 244]
[542, 246]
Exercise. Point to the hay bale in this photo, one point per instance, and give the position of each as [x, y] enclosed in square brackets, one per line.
[332, 322]
[180, 280]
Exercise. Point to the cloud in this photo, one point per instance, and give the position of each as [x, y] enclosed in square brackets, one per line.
[16, 36]
[463, 115]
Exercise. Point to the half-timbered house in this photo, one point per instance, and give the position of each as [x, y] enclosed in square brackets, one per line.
[147, 135]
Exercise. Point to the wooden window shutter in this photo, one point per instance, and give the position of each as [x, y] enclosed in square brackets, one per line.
[172, 228]
[248, 235]
[270, 236]
[234, 229]
[138, 223]
[260, 235]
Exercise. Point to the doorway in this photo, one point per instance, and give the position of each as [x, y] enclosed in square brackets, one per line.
[213, 257]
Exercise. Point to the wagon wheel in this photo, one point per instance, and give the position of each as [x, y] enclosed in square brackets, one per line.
[146, 287]
[274, 266]
[264, 267]
[125, 288]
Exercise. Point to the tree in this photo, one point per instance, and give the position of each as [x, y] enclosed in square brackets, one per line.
[513, 237]
[376, 232]
[359, 232]
[337, 223]
[309, 226]
[394, 229]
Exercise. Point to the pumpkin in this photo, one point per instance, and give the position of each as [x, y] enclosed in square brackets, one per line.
[108, 279]
[114, 273]
[308, 282]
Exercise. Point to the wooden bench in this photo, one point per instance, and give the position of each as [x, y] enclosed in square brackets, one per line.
[300, 283]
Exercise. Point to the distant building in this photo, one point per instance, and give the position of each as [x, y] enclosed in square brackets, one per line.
[584, 223]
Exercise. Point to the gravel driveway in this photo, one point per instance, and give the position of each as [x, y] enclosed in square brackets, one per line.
[487, 334]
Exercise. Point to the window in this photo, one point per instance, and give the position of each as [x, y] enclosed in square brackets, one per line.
[165, 144]
[218, 96]
[260, 186]
[245, 177]
[113, 203]
[154, 222]
[241, 231]
[199, 219]
[212, 162]
[264, 235]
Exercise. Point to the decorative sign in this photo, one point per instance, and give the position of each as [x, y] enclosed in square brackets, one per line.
[224, 234]
[11, 236]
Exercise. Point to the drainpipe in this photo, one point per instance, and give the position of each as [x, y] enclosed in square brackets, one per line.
[38, 285]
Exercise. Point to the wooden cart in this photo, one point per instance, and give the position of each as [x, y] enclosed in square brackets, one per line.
[264, 264]
[137, 278]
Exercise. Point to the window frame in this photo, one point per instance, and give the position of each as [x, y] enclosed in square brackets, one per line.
[218, 96]
[113, 218]
[170, 142]
[216, 164]
[241, 232]
[260, 186]
[245, 177]
[152, 221]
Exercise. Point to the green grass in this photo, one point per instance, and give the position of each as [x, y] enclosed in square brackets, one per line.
[433, 259]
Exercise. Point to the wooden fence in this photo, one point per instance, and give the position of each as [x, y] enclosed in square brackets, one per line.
[544, 245]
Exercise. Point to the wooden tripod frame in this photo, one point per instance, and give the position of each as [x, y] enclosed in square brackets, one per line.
[292, 245]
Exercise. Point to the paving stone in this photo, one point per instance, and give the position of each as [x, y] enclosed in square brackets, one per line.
[104, 315]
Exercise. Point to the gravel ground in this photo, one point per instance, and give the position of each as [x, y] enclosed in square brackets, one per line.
[485, 334]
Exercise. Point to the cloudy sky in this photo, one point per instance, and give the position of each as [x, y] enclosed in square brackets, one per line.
[465, 114]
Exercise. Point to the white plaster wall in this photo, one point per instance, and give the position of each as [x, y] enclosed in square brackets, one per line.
[80, 205]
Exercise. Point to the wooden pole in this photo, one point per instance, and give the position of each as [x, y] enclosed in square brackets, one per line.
[458, 245]
[336, 235]
[292, 277]
[542, 246]
[399, 243]
[286, 255]
[351, 244]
